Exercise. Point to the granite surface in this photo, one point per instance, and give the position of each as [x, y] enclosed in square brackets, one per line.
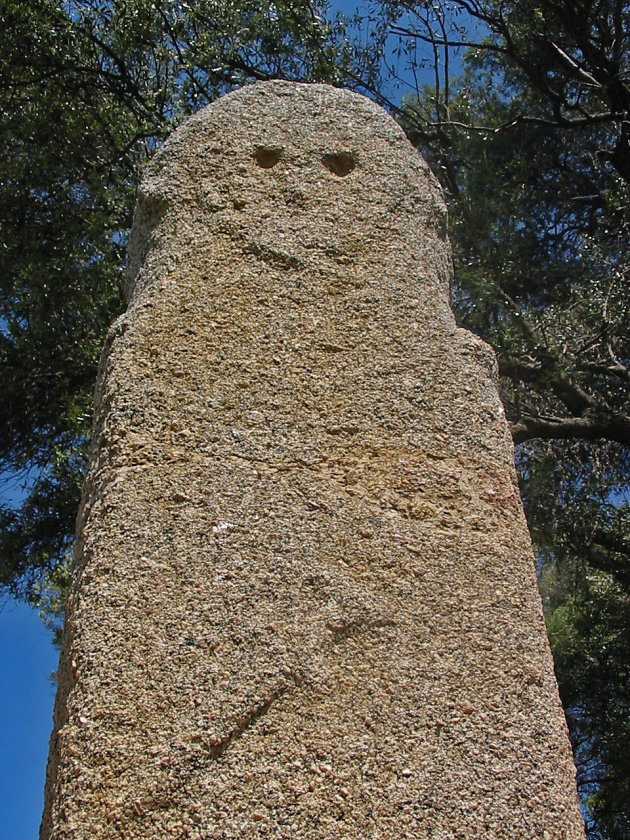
[304, 603]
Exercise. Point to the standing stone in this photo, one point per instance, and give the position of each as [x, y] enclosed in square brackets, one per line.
[304, 603]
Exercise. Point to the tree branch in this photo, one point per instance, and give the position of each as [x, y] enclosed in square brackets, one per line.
[617, 371]
[573, 397]
[610, 425]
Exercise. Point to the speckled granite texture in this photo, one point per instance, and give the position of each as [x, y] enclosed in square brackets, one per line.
[304, 603]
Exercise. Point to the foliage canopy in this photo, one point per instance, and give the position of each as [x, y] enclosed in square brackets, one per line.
[532, 144]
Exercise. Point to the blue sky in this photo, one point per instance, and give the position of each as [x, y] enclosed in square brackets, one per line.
[27, 658]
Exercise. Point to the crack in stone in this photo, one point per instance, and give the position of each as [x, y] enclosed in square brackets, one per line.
[273, 257]
[344, 629]
[253, 714]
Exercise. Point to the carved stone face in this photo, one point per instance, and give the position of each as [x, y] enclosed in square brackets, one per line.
[281, 174]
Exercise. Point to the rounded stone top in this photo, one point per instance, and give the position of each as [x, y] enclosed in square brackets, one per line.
[316, 127]
[307, 165]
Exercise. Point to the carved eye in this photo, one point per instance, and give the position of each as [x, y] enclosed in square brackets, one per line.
[339, 163]
[267, 156]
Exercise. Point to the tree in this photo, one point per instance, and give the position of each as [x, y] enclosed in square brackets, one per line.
[532, 145]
